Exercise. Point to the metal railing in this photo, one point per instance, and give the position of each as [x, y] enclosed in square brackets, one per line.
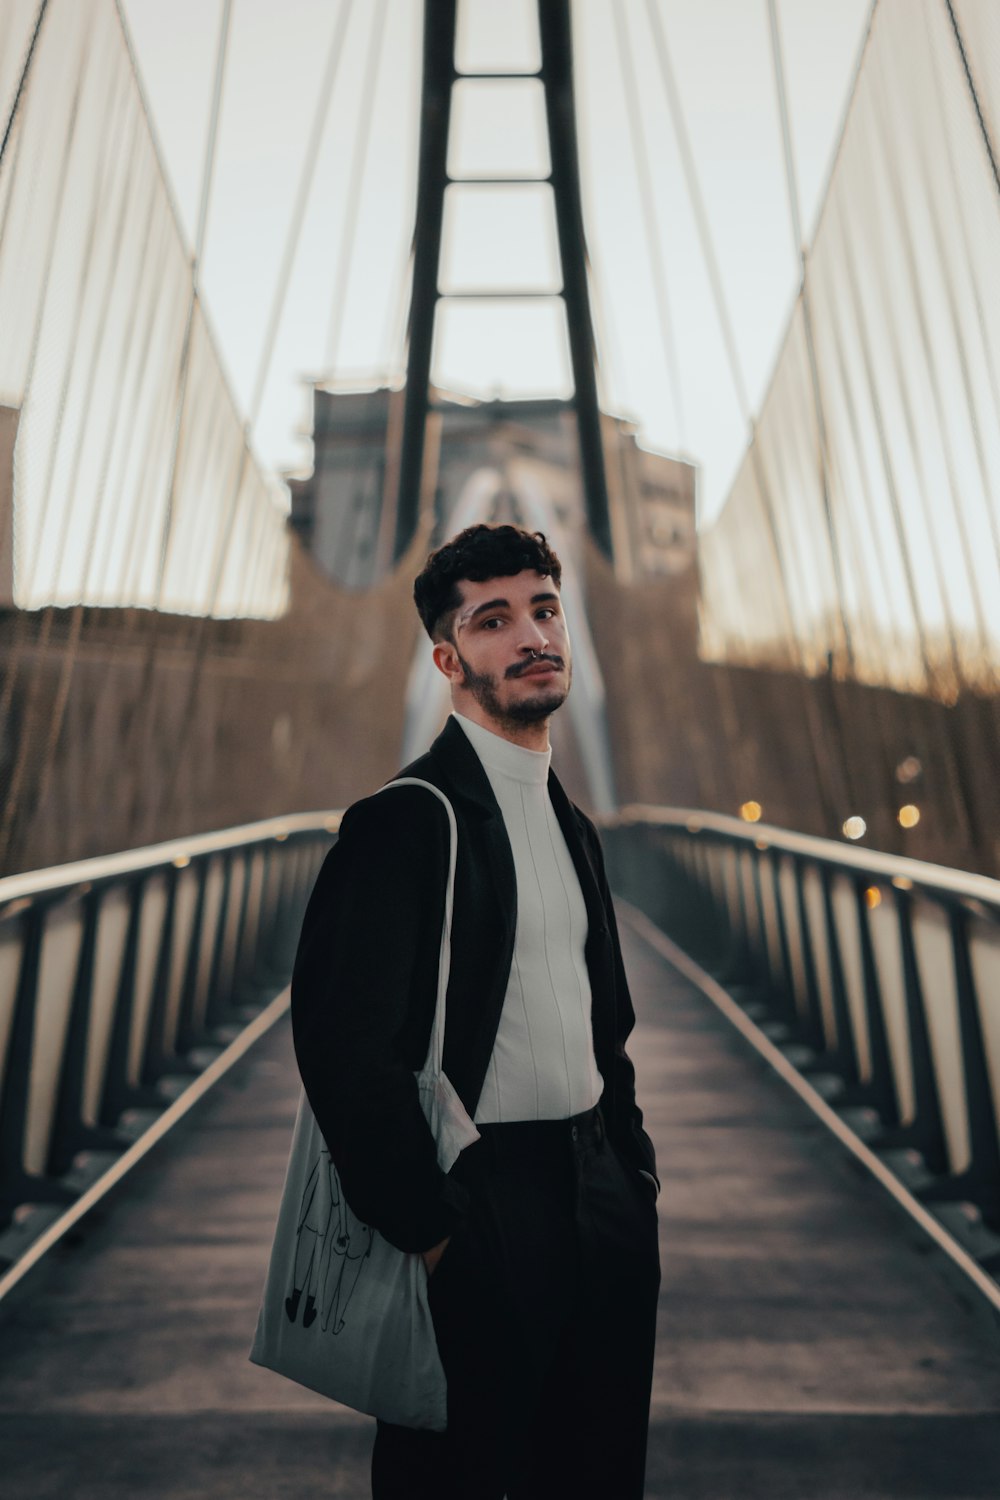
[879, 975]
[120, 979]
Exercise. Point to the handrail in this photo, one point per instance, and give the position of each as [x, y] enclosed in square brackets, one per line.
[121, 978]
[172, 852]
[873, 862]
[878, 973]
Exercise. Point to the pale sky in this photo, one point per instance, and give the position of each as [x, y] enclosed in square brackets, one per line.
[351, 327]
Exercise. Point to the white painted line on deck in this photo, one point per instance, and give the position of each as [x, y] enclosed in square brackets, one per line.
[712, 990]
[197, 1090]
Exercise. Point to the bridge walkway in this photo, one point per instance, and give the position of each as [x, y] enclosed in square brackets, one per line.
[808, 1344]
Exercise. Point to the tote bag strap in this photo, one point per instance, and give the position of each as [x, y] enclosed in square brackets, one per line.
[435, 1051]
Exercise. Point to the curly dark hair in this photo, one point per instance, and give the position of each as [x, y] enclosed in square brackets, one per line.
[477, 553]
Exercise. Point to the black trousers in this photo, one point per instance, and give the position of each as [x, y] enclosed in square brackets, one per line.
[544, 1307]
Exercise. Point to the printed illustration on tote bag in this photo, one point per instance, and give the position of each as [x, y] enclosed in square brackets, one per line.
[331, 1247]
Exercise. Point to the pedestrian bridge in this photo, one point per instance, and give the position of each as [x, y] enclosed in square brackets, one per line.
[784, 714]
[828, 1320]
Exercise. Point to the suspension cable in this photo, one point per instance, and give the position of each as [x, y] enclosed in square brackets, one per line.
[208, 166]
[761, 476]
[971, 279]
[207, 173]
[320, 116]
[698, 208]
[791, 179]
[974, 92]
[25, 70]
[646, 195]
[833, 542]
[349, 223]
[145, 696]
[202, 639]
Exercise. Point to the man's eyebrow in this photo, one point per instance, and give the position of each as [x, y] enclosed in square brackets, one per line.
[467, 616]
[543, 598]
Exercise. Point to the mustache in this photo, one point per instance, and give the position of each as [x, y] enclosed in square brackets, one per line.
[520, 667]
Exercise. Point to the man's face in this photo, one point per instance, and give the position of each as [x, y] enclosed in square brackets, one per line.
[513, 654]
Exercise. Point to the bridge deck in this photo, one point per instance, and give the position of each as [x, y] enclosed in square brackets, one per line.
[807, 1346]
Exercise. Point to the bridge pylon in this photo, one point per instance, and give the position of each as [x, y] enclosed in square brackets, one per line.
[440, 75]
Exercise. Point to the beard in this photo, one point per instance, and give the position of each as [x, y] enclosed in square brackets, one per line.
[485, 689]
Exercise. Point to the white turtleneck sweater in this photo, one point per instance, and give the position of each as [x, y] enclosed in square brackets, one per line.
[543, 1065]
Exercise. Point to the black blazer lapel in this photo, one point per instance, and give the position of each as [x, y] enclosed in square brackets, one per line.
[570, 823]
[598, 950]
[468, 782]
[485, 919]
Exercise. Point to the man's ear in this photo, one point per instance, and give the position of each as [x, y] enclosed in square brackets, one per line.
[446, 659]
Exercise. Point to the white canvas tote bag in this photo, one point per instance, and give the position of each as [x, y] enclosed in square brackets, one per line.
[343, 1311]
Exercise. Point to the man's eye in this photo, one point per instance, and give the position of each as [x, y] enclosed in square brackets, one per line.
[491, 622]
[546, 614]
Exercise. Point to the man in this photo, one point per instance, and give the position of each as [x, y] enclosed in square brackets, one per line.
[541, 1244]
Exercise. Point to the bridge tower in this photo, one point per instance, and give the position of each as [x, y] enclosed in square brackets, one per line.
[440, 76]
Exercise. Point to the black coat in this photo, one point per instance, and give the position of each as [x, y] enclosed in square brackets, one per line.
[365, 980]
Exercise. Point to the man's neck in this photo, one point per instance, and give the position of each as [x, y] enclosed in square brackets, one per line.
[528, 736]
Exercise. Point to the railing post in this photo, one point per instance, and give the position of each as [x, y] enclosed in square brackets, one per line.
[982, 1176]
[16, 1184]
[786, 992]
[16, 1075]
[815, 1035]
[925, 1133]
[845, 1054]
[68, 1130]
[240, 933]
[882, 1089]
[156, 1053]
[215, 1007]
[187, 1034]
[117, 1093]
